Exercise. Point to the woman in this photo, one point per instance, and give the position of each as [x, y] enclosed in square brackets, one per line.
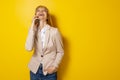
[48, 47]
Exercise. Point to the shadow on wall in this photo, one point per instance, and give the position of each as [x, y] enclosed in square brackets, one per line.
[65, 61]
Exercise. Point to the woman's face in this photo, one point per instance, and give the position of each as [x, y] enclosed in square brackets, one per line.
[41, 13]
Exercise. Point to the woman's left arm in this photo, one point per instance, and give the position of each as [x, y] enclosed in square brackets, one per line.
[59, 49]
[59, 53]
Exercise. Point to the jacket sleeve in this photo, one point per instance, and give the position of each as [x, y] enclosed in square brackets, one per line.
[59, 49]
[30, 39]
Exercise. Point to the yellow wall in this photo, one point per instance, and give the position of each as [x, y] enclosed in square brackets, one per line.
[91, 34]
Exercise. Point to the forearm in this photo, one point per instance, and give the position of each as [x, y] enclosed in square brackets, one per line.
[58, 59]
[30, 39]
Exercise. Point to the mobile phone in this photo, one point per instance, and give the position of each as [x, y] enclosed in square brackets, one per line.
[37, 22]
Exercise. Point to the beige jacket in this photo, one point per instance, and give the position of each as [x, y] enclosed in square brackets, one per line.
[52, 51]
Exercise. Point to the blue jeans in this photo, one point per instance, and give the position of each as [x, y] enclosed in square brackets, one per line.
[40, 76]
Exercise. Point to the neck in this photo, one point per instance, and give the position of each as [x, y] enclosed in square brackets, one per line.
[42, 24]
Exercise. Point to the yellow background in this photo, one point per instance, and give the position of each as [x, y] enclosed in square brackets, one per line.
[90, 30]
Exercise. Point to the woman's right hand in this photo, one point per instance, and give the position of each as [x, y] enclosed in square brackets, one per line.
[34, 22]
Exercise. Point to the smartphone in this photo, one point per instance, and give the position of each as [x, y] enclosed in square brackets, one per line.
[37, 22]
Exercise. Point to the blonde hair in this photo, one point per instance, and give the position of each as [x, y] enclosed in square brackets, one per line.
[49, 20]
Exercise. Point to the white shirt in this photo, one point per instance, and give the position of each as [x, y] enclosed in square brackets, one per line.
[42, 34]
